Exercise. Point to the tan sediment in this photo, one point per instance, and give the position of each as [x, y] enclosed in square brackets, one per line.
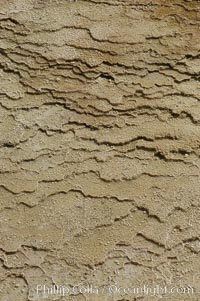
[100, 145]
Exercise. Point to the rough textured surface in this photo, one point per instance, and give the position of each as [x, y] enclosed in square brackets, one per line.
[100, 145]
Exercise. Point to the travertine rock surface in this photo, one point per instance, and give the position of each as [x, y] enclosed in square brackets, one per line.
[100, 145]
